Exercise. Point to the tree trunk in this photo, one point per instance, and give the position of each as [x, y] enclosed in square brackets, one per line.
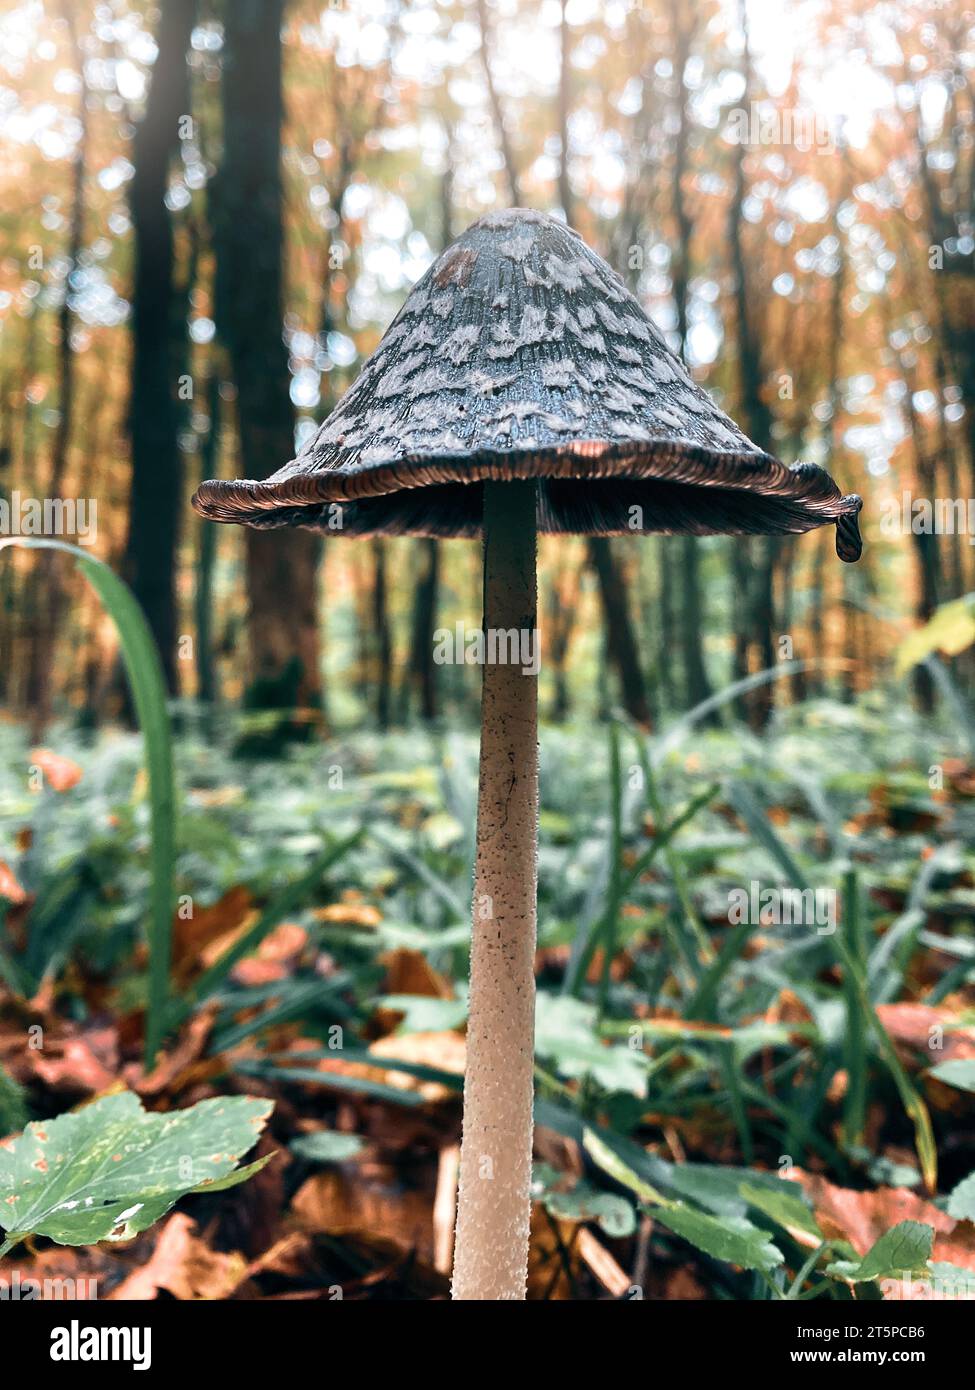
[494, 1204]
[497, 112]
[423, 668]
[565, 105]
[282, 566]
[750, 562]
[381, 636]
[621, 639]
[697, 685]
[50, 575]
[155, 502]
[206, 679]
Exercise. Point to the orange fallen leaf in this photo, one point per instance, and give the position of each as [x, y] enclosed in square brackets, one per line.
[274, 958]
[915, 1025]
[172, 1066]
[61, 774]
[348, 914]
[199, 939]
[863, 1217]
[9, 887]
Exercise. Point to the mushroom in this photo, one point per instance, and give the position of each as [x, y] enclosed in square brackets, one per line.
[522, 388]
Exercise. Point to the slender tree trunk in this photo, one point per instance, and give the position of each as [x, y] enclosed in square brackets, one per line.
[666, 556]
[155, 502]
[282, 566]
[50, 575]
[497, 111]
[423, 668]
[564, 107]
[697, 687]
[494, 1205]
[740, 564]
[754, 560]
[621, 638]
[382, 635]
[206, 679]
[563, 607]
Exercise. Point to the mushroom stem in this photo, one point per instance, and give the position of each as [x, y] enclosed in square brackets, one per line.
[491, 1259]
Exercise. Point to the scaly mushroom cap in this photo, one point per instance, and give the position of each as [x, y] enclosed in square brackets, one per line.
[521, 354]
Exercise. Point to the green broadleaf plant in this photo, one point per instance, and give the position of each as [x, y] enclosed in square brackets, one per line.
[111, 1169]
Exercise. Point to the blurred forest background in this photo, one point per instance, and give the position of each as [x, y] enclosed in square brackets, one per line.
[209, 212]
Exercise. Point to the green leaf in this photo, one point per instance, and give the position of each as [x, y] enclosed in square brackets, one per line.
[327, 1146]
[904, 1249]
[620, 1171]
[961, 1203]
[565, 1031]
[950, 630]
[13, 1104]
[422, 1013]
[959, 1072]
[786, 1209]
[730, 1239]
[110, 1170]
[613, 1214]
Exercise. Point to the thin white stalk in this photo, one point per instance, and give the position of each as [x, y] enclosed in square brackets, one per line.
[494, 1204]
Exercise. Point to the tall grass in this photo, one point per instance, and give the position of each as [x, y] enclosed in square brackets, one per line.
[144, 673]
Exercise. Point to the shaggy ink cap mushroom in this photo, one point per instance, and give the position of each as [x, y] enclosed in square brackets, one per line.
[522, 388]
[521, 354]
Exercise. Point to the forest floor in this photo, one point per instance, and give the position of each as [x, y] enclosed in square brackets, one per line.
[734, 1099]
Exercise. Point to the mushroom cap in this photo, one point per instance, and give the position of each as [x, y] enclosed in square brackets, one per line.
[521, 354]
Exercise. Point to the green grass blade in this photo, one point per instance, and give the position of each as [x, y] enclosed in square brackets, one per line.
[857, 1026]
[143, 670]
[911, 1100]
[748, 807]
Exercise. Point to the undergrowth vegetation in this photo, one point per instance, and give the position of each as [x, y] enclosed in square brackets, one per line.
[754, 1032]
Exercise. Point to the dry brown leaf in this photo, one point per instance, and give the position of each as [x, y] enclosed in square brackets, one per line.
[350, 914]
[200, 939]
[184, 1265]
[86, 1062]
[275, 958]
[409, 972]
[172, 1066]
[443, 1051]
[915, 1024]
[376, 1201]
[554, 1265]
[863, 1217]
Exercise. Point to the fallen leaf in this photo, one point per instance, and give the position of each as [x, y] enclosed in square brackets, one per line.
[184, 1265]
[9, 887]
[863, 1217]
[86, 1063]
[172, 1066]
[61, 774]
[200, 939]
[275, 958]
[379, 1201]
[916, 1025]
[350, 914]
